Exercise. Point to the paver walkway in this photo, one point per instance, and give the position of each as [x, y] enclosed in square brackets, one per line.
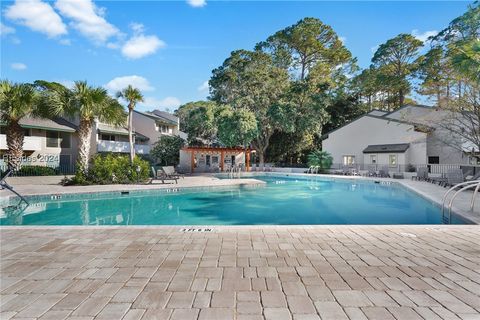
[344, 272]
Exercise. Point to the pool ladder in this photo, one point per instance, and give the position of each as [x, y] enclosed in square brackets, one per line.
[234, 172]
[475, 184]
[5, 185]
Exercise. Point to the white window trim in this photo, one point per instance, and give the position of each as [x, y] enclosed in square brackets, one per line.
[390, 162]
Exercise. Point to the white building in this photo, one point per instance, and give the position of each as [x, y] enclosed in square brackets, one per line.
[54, 142]
[405, 138]
[47, 142]
[156, 123]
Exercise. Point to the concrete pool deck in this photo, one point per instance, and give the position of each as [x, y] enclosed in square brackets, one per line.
[241, 273]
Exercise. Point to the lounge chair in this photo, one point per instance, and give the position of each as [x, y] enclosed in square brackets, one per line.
[372, 172]
[473, 177]
[162, 176]
[422, 174]
[454, 177]
[170, 170]
[383, 173]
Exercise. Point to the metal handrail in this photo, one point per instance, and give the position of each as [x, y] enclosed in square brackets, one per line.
[464, 186]
[5, 185]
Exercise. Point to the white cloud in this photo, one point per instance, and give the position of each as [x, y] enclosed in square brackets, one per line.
[165, 103]
[140, 46]
[65, 42]
[203, 87]
[18, 66]
[137, 27]
[374, 48]
[342, 39]
[38, 16]
[87, 18]
[5, 30]
[425, 35]
[120, 83]
[197, 3]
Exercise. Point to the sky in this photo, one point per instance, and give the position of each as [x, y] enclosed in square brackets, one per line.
[168, 49]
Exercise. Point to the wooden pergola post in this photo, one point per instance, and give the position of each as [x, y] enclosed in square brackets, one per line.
[247, 160]
[222, 158]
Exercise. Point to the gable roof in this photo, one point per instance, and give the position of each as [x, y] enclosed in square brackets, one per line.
[387, 148]
[57, 124]
[382, 117]
[160, 116]
[409, 105]
[165, 115]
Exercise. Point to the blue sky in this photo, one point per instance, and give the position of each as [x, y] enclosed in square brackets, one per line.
[169, 48]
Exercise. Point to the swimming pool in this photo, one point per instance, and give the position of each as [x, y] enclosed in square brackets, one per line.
[282, 201]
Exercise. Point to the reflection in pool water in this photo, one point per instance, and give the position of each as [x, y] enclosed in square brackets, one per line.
[283, 201]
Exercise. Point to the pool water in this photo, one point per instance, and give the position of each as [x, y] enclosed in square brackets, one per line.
[283, 201]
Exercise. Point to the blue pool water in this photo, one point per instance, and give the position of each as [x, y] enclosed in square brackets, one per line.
[283, 201]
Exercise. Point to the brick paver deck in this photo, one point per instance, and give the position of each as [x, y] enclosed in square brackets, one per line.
[344, 272]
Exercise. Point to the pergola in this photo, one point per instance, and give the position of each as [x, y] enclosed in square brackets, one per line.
[217, 150]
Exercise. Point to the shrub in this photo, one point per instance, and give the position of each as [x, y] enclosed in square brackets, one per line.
[321, 159]
[36, 171]
[112, 169]
[166, 150]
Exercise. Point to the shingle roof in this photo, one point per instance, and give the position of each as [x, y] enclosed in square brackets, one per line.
[58, 124]
[165, 115]
[160, 116]
[387, 148]
[105, 128]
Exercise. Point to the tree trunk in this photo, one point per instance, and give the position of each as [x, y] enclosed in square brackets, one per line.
[261, 159]
[84, 136]
[401, 98]
[130, 134]
[15, 135]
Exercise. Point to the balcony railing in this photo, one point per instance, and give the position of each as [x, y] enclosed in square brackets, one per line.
[29, 143]
[121, 147]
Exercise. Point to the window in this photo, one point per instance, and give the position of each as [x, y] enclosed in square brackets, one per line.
[26, 132]
[161, 128]
[107, 137]
[207, 160]
[474, 161]
[392, 160]
[433, 160]
[373, 158]
[348, 160]
[57, 139]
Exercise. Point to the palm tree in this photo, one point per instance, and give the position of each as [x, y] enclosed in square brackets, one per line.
[321, 159]
[86, 103]
[133, 96]
[18, 100]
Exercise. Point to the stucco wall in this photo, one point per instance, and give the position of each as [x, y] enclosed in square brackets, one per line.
[44, 155]
[146, 126]
[353, 138]
[440, 140]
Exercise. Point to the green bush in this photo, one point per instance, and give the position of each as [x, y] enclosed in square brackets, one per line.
[116, 169]
[113, 169]
[36, 171]
[321, 159]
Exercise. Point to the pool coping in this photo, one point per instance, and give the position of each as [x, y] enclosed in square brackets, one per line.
[468, 217]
